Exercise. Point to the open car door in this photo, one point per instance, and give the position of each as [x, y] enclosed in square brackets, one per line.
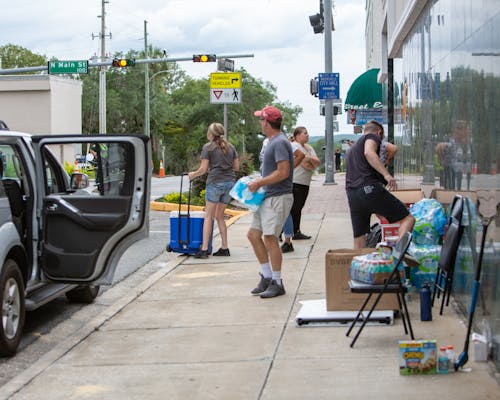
[85, 228]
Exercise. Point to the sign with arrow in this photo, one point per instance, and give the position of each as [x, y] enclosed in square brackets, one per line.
[225, 80]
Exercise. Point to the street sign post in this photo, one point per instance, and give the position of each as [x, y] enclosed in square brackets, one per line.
[328, 85]
[69, 67]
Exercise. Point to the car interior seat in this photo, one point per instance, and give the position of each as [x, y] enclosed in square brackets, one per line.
[16, 202]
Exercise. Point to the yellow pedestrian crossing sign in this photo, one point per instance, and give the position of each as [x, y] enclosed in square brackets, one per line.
[225, 80]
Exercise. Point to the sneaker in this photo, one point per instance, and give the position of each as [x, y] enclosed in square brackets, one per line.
[262, 286]
[273, 290]
[201, 254]
[222, 253]
[286, 247]
[301, 236]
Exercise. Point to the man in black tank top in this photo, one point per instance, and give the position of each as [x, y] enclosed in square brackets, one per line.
[366, 177]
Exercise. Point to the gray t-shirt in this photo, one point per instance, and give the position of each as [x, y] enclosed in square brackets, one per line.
[220, 165]
[278, 149]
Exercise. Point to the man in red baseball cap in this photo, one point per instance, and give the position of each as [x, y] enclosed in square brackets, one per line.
[268, 220]
[270, 113]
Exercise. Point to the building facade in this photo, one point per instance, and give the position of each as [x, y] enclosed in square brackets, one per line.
[439, 65]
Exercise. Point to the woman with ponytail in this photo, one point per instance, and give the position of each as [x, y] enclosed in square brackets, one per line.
[220, 159]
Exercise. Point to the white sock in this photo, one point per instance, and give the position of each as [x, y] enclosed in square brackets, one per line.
[276, 275]
[266, 270]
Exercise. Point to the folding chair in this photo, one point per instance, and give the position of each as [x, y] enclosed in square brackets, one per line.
[447, 256]
[392, 285]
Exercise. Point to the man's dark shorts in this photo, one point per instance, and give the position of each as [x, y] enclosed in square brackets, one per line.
[373, 199]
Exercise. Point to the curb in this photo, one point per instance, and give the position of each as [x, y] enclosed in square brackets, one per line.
[161, 206]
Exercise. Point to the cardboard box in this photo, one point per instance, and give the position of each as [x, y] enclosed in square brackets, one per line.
[445, 196]
[417, 357]
[390, 231]
[338, 293]
[408, 196]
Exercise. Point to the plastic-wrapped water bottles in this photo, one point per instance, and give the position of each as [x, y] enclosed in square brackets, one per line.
[241, 193]
[430, 221]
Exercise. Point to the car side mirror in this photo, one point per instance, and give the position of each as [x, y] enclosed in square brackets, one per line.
[79, 181]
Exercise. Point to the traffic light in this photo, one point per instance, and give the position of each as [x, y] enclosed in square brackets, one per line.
[313, 87]
[123, 62]
[317, 23]
[204, 58]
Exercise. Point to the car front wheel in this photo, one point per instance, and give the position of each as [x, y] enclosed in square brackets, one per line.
[13, 307]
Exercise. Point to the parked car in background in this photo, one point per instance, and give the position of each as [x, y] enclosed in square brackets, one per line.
[57, 236]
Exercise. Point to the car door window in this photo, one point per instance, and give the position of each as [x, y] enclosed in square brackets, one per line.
[110, 168]
[14, 185]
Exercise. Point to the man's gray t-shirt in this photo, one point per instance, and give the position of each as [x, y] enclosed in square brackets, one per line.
[220, 165]
[278, 149]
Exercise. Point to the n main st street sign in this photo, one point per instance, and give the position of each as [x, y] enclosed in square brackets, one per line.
[69, 67]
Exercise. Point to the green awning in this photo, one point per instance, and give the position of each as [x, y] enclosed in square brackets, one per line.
[365, 92]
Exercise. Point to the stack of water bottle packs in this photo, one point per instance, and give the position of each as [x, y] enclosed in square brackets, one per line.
[373, 268]
[430, 223]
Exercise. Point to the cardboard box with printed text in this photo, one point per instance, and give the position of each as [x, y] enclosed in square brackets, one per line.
[338, 293]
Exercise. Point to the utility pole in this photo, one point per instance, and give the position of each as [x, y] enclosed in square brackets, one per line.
[329, 142]
[102, 72]
[146, 83]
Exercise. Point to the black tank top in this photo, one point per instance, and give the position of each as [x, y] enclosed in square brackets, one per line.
[359, 172]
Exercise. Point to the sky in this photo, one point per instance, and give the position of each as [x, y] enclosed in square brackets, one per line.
[278, 33]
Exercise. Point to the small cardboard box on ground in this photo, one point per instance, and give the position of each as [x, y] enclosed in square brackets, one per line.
[390, 232]
[417, 357]
[338, 293]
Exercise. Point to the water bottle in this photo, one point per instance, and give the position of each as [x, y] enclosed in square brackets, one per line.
[442, 361]
[408, 290]
[450, 353]
[425, 303]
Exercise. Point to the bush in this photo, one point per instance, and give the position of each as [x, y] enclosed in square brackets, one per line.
[174, 198]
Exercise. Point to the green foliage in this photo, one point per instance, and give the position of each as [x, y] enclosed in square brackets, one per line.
[69, 168]
[174, 198]
[200, 200]
[246, 165]
[13, 56]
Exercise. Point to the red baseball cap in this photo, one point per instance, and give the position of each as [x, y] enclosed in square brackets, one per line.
[269, 113]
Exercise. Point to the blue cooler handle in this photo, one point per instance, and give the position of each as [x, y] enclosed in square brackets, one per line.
[188, 212]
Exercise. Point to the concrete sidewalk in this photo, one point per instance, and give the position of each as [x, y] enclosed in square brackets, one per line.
[193, 331]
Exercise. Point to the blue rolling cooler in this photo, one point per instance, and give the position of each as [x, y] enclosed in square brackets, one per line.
[186, 228]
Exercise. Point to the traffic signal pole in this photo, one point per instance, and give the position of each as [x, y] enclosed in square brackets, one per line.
[329, 142]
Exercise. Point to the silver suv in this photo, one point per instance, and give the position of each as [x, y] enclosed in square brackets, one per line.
[62, 234]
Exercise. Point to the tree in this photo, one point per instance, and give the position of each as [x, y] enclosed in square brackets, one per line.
[13, 56]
